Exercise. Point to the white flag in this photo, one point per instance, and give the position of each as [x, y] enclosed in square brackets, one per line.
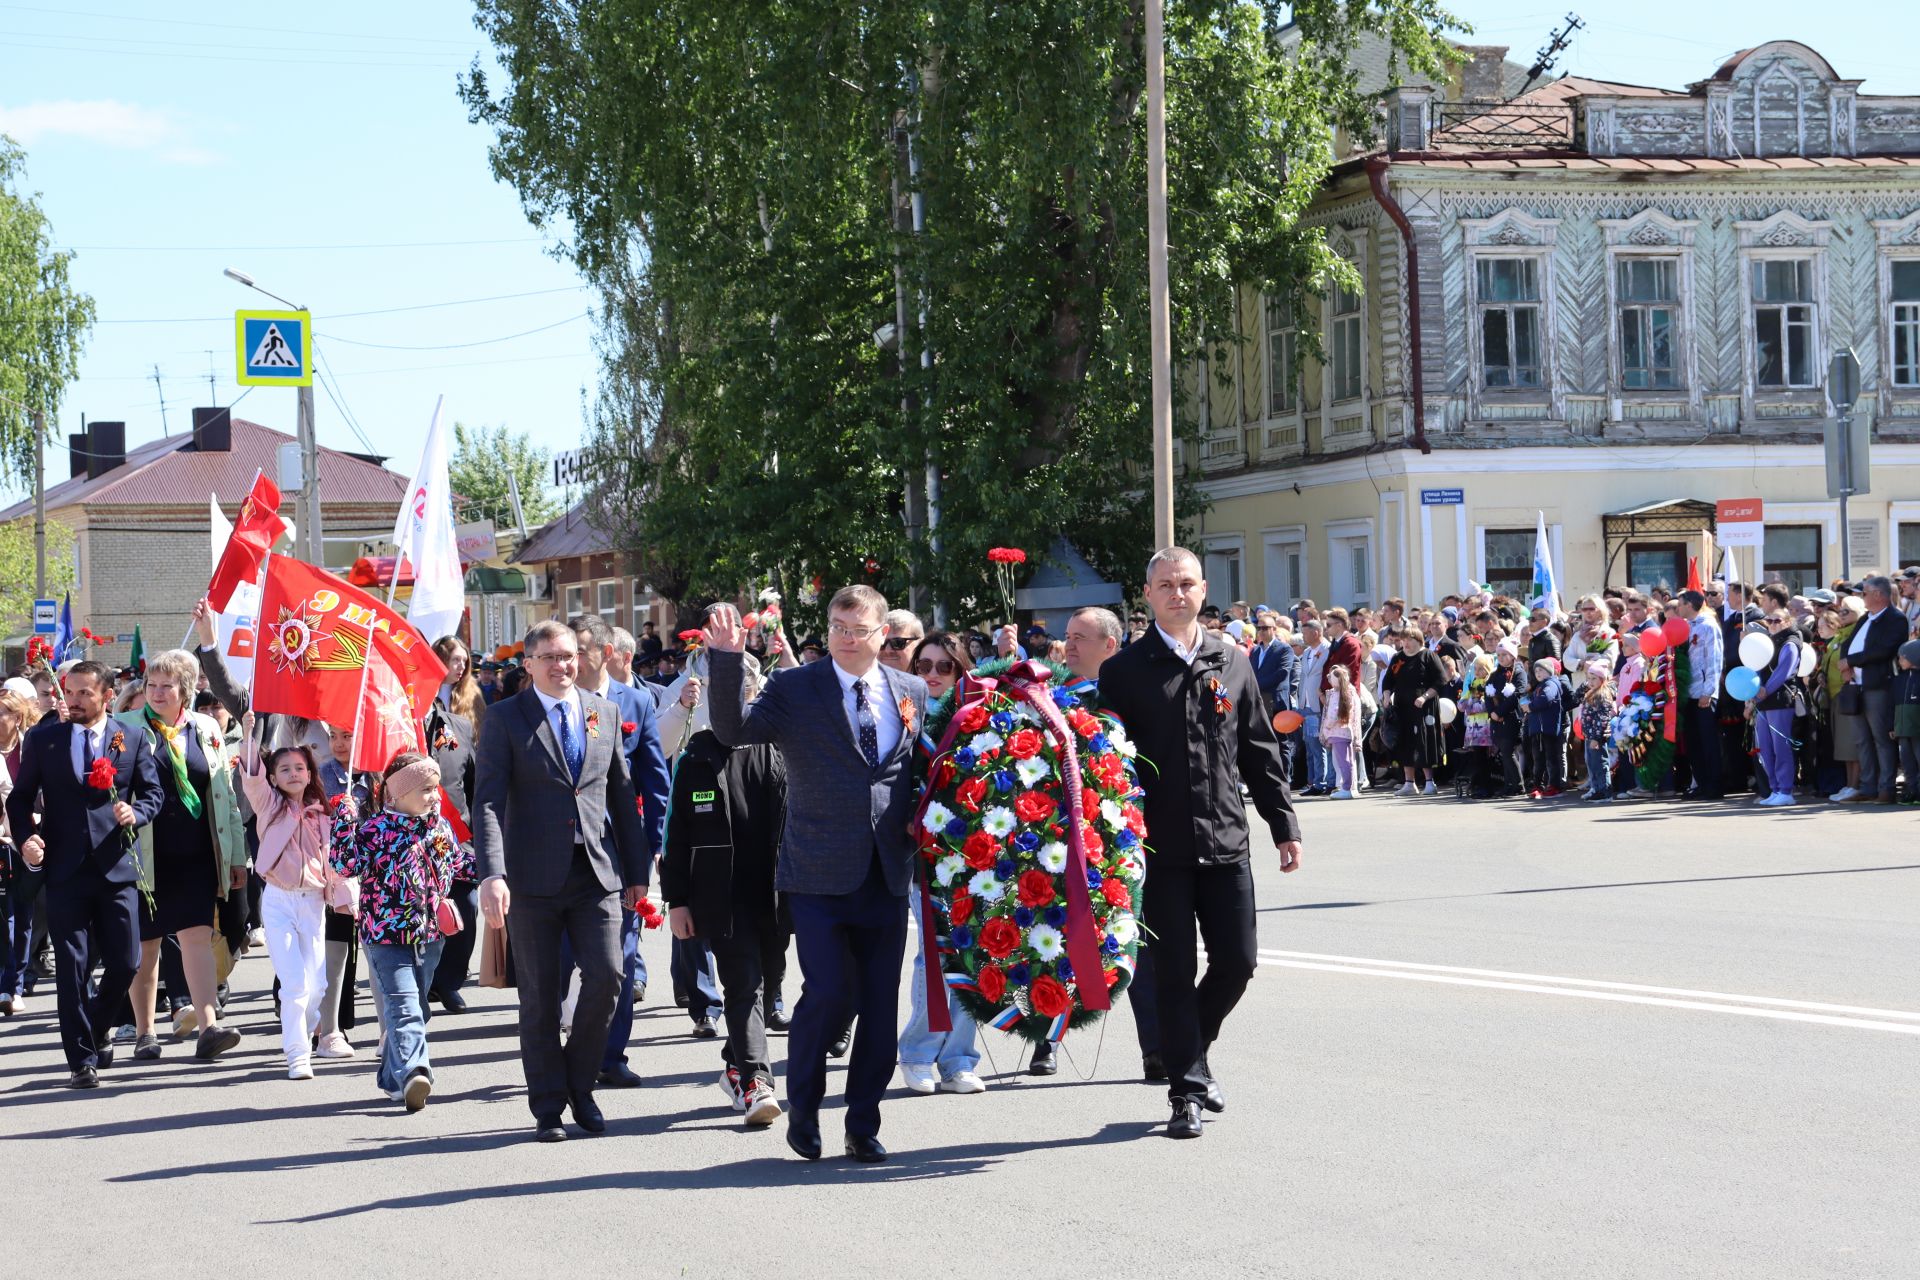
[1546, 588]
[234, 630]
[423, 534]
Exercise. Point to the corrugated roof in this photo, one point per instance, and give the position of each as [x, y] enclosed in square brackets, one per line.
[563, 538]
[169, 472]
[1509, 162]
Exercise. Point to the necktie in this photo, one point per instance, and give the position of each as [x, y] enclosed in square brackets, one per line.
[869, 727]
[570, 746]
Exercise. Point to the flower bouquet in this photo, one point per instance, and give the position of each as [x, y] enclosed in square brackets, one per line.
[1033, 840]
[1004, 560]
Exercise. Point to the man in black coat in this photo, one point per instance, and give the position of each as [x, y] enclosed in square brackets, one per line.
[1189, 701]
[1869, 664]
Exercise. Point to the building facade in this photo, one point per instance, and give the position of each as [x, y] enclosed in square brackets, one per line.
[575, 568]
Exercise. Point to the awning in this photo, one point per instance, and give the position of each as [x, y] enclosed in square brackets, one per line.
[485, 580]
[1674, 519]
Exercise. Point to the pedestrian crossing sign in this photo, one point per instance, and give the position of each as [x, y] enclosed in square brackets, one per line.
[275, 348]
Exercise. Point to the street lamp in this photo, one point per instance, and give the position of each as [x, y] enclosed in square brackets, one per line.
[307, 503]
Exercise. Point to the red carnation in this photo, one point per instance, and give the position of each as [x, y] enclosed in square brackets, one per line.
[1006, 555]
[970, 793]
[1110, 770]
[1116, 893]
[1083, 724]
[691, 634]
[1049, 998]
[1036, 888]
[962, 909]
[1092, 844]
[1136, 821]
[1033, 806]
[973, 719]
[1024, 744]
[992, 981]
[628, 726]
[999, 937]
[100, 776]
[981, 850]
[1113, 976]
[943, 775]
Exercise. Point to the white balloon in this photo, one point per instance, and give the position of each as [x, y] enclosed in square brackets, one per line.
[1448, 711]
[1807, 660]
[1756, 651]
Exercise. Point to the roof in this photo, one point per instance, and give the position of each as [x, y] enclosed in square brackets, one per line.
[170, 472]
[1540, 117]
[1520, 161]
[565, 537]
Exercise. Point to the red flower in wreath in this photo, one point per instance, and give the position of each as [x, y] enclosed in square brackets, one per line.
[973, 719]
[1036, 888]
[981, 850]
[1024, 744]
[1111, 770]
[970, 793]
[992, 981]
[100, 776]
[1116, 893]
[1049, 998]
[1136, 821]
[1033, 806]
[999, 937]
[943, 774]
[1113, 976]
[1092, 844]
[1083, 724]
[1089, 804]
[962, 909]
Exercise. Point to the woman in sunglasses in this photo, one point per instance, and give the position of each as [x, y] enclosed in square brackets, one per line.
[941, 659]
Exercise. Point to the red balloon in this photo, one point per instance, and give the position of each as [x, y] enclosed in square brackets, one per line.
[1288, 721]
[1677, 631]
[1652, 643]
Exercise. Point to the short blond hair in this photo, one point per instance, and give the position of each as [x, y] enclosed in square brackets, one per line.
[859, 598]
[181, 665]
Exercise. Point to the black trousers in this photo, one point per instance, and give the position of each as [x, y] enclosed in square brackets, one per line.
[456, 953]
[851, 946]
[1700, 733]
[91, 920]
[745, 959]
[1219, 900]
[1145, 1001]
[587, 916]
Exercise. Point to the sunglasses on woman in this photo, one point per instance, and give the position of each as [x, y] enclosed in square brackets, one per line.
[927, 666]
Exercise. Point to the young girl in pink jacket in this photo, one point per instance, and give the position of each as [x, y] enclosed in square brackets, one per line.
[293, 825]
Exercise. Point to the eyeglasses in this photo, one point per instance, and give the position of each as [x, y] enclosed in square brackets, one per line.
[553, 658]
[894, 644]
[840, 632]
[927, 666]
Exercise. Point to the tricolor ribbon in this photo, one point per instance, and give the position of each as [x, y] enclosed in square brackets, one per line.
[1005, 1020]
[1057, 1029]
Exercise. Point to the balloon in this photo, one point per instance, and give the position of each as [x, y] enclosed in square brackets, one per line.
[1448, 711]
[1807, 660]
[1756, 651]
[1288, 721]
[1652, 643]
[1743, 683]
[1676, 631]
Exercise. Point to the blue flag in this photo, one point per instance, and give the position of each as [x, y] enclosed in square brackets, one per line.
[1546, 590]
[63, 632]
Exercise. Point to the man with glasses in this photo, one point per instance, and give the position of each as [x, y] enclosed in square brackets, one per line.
[903, 632]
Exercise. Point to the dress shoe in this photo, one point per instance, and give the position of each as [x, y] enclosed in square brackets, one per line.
[452, 1001]
[804, 1137]
[619, 1076]
[215, 1041]
[1215, 1101]
[777, 1019]
[548, 1129]
[586, 1114]
[1185, 1122]
[146, 1048]
[103, 1058]
[704, 1029]
[1045, 1062]
[88, 1078]
[841, 1043]
[865, 1150]
[1152, 1068]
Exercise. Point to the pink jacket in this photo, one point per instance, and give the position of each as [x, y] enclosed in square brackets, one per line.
[293, 844]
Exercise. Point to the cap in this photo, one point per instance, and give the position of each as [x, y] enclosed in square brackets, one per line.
[1910, 651]
[1452, 614]
[1911, 571]
[1822, 596]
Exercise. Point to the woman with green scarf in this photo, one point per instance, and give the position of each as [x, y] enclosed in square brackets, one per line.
[190, 856]
[1843, 733]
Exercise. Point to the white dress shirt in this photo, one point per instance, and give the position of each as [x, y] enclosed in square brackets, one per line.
[886, 716]
[1859, 643]
[579, 723]
[1179, 648]
[81, 754]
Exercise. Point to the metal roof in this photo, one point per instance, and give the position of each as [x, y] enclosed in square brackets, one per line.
[1520, 161]
[565, 537]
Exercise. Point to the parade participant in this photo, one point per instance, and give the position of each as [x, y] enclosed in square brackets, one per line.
[846, 728]
[192, 854]
[293, 827]
[904, 633]
[406, 860]
[1700, 726]
[350, 793]
[1411, 687]
[559, 844]
[449, 737]
[620, 661]
[19, 712]
[83, 789]
[1773, 709]
[460, 691]
[1869, 660]
[1191, 704]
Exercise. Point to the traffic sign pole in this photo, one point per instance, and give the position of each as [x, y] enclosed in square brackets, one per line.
[1843, 387]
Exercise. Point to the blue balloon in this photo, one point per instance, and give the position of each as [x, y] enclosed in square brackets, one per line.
[1743, 683]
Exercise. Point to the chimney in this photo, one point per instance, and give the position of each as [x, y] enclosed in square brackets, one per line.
[1483, 75]
[76, 454]
[106, 447]
[213, 430]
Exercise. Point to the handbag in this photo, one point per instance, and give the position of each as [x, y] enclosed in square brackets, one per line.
[446, 917]
[1851, 702]
[494, 969]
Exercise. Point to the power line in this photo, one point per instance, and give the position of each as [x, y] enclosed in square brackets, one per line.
[207, 44]
[351, 315]
[339, 399]
[284, 248]
[252, 59]
[451, 346]
[227, 26]
[471, 364]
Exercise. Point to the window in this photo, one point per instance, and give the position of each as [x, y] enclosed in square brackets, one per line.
[1509, 555]
[641, 609]
[1906, 323]
[1344, 338]
[1648, 292]
[609, 601]
[1660, 565]
[1792, 555]
[1783, 322]
[1223, 573]
[1508, 292]
[1350, 570]
[1283, 391]
[1909, 545]
[576, 601]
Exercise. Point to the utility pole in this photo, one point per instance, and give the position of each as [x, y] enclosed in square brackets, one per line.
[310, 478]
[1161, 344]
[163, 399]
[39, 505]
[213, 392]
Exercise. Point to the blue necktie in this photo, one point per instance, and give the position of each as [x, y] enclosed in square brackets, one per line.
[869, 727]
[570, 745]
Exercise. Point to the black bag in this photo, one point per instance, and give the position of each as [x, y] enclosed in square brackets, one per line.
[1851, 701]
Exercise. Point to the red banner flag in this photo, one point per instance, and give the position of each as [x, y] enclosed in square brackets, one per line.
[253, 535]
[332, 652]
[1693, 573]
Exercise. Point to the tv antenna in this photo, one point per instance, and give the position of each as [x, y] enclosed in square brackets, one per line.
[1544, 60]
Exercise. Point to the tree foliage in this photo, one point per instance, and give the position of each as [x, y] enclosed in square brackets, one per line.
[731, 177]
[43, 321]
[483, 458]
[16, 570]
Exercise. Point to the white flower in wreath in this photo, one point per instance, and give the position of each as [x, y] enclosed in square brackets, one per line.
[987, 887]
[1111, 815]
[1053, 857]
[985, 742]
[1123, 929]
[1032, 770]
[936, 818]
[1117, 738]
[1131, 868]
[999, 821]
[1024, 711]
[948, 869]
[1046, 942]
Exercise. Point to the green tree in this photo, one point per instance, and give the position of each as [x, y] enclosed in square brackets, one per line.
[43, 321]
[734, 175]
[16, 571]
[483, 458]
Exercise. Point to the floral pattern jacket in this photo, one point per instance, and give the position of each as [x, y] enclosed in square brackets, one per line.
[405, 865]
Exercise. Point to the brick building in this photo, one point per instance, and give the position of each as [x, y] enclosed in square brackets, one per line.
[576, 569]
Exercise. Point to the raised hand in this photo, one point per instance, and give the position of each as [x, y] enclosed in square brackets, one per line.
[203, 623]
[724, 633]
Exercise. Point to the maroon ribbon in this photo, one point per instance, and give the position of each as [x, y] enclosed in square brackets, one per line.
[1026, 682]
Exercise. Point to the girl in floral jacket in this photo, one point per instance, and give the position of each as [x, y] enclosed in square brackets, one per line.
[406, 859]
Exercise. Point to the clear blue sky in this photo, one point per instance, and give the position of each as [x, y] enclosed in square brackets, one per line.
[170, 141]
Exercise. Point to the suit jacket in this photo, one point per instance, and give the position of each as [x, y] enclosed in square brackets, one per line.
[839, 812]
[529, 814]
[646, 763]
[1344, 652]
[1874, 662]
[1273, 669]
[76, 821]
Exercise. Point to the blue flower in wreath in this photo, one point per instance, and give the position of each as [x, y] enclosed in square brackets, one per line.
[1027, 841]
[1057, 917]
[962, 938]
[1110, 944]
[1019, 975]
[1003, 781]
[1023, 916]
[1064, 700]
[957, 828]
[1002, 722]
[1125, 838]
[965, 758]
[1063, 969]
[1006, 868]
[1098, 742]
[1093, 878]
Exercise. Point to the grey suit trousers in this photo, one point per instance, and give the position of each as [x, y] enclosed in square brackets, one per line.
[588, 917]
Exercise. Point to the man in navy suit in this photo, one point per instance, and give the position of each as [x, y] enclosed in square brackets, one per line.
[84, 839]
[846, 728]
[651, 784]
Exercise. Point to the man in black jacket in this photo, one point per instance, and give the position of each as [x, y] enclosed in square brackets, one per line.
[1189, 700]
[1869, 664]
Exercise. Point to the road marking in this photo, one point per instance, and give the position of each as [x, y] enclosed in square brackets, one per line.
[1899, 1021]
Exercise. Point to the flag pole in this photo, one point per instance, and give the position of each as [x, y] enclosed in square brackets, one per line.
[393, 582]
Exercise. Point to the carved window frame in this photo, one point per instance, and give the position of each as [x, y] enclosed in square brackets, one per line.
[1899, 241]
[1351, 246]
[1514, 233]
[1653, 234]
[1785, 236]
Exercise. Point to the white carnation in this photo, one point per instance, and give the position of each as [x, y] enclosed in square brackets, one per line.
[999, 821]
[1032, 770]
[1111, 815]
[985, 742]
[936, 818]
[1046, 941]
[949, 867]
[987, 887]
[1053, 857]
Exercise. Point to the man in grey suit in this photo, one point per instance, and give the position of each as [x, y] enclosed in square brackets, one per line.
[847, 730]
[557, 837]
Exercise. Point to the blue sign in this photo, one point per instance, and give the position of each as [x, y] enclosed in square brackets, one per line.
[274, 348]
[1443, 497]
[46, 617]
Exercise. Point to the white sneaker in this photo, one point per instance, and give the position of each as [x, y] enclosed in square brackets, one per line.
[963, 1082]
[333, 1045]
[1341, 795]
[257, 938]
[301, 1070]
[1844, 793]
[762, 1107]
[730, 1085]
[1783, 798]
[918, 1077]
[1407, 789]
[1430, 790]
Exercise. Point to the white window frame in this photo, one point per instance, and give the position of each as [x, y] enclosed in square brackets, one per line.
[637, 606]
[1276, 545]
[1825, 514]
[1899, 513]
[1899, 241]
[1783, 309]
[1513, 233]
[1349, 247]
[1784, 236]
[1339, 534]
[575, 597]
[1288, 403]
[1652, 234]
[1234, 547]
[609, 611]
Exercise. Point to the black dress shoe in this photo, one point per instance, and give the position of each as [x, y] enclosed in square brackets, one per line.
[804, 1138]
[865, 1150]
[619, 1076]
[548, 1129]
[586, 1114]
[451, 1001]
[103, 1056]
[1152, 1068]
[705, 1030]
[88, 1078]
[1215, 1101]
[777, 1020]
[841, 1043]
[1185, 1122]
[1044, 1062]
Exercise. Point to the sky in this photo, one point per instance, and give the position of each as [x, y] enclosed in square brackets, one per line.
[324, 151]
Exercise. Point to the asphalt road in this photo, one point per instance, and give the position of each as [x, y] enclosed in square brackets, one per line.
[1661, 1043]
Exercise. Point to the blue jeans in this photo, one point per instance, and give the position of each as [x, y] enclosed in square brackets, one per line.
[952, 1051]
[1319, 763]
[401, 976]
[1597, 770]
[23, 884]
